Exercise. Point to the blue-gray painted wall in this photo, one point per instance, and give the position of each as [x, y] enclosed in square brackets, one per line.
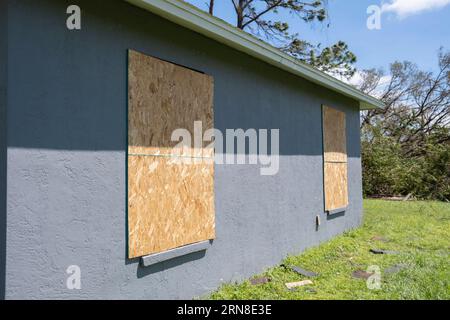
[3, 90]
[66, 157]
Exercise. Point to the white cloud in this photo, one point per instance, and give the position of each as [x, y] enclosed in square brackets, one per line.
[355, 80]
[358, 78]
[404, 8]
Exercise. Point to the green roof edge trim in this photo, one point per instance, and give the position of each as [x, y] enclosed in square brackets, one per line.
[191, 17]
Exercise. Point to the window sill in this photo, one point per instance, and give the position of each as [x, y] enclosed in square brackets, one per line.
[152, 259]
[336, 211]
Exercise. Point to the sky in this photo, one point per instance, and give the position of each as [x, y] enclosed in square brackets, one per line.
[412, 30]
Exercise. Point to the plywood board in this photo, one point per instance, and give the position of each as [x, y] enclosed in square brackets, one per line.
[334, 135]
[170, 190]
[169, 204]
[335, 159]
[335, 181]
[164, 97]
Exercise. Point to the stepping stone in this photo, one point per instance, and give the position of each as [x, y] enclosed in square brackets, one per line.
[292, 285]
[395, 268]
[302, 271]
[378, 251]
[260, 280]
[360, 274]
[379, 238]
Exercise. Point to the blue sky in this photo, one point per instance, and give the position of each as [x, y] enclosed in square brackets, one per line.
[411, 30]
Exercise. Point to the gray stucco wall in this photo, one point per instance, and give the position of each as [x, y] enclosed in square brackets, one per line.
[66, 160]
[3, 97]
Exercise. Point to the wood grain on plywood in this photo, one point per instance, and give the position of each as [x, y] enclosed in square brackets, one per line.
[164, 97]
[170, 190]
[335, 159]
[169, 205]
[334, 137]
[336, 191]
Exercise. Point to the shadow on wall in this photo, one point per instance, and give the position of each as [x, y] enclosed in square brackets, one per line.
[172, 263]
[88, 109]
[3, 80]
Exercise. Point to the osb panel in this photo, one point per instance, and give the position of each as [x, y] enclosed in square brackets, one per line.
[334, 135]
[164, 97]
[169, 204]
[336, 190]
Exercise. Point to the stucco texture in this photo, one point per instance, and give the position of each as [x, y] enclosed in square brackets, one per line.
[66, 157]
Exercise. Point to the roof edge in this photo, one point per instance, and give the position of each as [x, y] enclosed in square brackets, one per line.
[199, 21]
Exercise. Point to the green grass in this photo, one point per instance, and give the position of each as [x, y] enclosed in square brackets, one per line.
[419, 231]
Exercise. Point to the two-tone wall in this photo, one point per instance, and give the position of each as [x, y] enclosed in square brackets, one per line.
[66, 156]
[3, 98]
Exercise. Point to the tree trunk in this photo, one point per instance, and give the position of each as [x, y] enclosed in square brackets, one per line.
[211, 7]
[240, 14]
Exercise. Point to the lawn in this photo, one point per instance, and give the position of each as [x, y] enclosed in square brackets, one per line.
[418, 232]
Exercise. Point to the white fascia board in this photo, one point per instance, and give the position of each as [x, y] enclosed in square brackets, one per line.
[199, 21]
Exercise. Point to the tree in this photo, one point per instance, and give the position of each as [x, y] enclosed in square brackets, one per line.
[211, 7]
[406, 145]
[255, 16]
[417, 102]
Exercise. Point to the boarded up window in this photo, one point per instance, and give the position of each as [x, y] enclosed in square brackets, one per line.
[335, 159]
[170, 203]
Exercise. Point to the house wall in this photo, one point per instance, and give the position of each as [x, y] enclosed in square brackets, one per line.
[3, 98]
[66, 160]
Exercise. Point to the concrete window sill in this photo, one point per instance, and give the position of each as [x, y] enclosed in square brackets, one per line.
[152, 259]
[336, 211]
